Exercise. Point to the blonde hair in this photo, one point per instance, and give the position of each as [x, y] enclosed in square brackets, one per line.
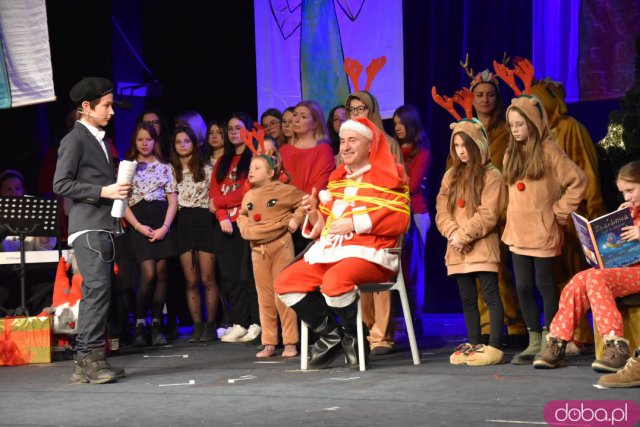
[525, 160]
[322, 133]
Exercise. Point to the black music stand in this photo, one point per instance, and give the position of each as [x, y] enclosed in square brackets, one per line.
[28, 216]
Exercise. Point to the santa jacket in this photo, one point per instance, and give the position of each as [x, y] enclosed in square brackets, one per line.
[374, 231]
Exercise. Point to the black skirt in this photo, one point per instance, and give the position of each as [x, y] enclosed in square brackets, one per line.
[194, 227]
[151, 214]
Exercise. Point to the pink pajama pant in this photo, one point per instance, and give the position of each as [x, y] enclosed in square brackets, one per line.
[595, 289]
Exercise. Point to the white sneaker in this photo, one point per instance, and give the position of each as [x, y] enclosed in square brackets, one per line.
[234, 334]
[222, 332]
[252, 333]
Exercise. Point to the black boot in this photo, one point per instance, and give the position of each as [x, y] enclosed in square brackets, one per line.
[349, 316]
[313, 311]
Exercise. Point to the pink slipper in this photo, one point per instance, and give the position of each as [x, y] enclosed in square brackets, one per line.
[290, 350]
[268, 351]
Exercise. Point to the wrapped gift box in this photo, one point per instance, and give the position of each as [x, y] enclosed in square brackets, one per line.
[25, 340]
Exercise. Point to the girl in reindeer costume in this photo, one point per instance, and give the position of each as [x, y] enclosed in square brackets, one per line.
[545, 186]
[269, 213]
[471, 199]
[363, 211]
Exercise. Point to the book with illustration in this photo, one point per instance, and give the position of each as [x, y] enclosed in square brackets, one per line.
[601, 242]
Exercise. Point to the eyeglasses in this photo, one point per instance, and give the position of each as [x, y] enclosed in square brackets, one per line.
[151, 122]
[272, 124]
[231, 129]
[359, 109]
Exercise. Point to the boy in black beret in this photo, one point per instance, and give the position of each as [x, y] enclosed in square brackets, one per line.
[85, 174]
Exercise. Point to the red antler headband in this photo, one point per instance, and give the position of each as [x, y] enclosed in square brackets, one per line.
[523, 68]
[353, 67]
[259, 134]
[463, 97]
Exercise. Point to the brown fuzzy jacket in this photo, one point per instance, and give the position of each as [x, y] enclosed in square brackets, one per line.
[536, 214]
[266, 211]
[476, 229]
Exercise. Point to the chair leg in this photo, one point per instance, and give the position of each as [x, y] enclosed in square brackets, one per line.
[304, 346]
[406, 311]
[361, 338]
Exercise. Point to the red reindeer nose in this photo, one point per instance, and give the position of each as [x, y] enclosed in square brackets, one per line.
[257, 217]
[520, 186]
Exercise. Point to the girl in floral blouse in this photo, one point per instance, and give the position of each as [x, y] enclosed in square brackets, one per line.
[152, 207]
[195, 231]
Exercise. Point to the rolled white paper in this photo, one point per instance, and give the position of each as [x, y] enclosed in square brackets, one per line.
[126, 172]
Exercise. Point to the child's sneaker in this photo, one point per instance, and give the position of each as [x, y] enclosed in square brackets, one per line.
[252, 333]
[484, 355]
[461, 354]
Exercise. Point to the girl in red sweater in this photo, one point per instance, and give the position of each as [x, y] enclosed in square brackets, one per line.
[226, 193]
[415, 152]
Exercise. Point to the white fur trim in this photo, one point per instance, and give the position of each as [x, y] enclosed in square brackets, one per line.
[315, 231]
[357, 127]
[325, 197]
[292, 298]
[357, 175]
[341, 300]
[361, 222]
[323, 253]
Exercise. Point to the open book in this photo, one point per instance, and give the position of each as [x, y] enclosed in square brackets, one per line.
[601, 243]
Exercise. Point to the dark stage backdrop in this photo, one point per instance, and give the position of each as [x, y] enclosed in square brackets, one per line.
[203, 54]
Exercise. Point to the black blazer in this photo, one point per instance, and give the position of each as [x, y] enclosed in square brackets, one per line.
[81, 172]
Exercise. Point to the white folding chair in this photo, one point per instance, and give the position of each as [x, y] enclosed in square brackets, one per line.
[397, 285]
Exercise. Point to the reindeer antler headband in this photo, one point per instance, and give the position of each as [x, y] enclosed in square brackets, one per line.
[523, 68]
[259, 134]
[353, 67]
[464, 98]
[485, 76]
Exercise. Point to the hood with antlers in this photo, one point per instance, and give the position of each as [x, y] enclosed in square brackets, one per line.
[524, 101]
[354, 68]
[469, 125]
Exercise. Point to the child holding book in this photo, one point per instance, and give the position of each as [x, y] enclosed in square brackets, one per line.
[545, 186]
[597, 289]
[468, 207]
[269, 213]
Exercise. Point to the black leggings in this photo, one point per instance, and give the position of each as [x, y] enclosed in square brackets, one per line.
[491, 294]
[523, 267]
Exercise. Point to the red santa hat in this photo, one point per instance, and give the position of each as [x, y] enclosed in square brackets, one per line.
[386, 172]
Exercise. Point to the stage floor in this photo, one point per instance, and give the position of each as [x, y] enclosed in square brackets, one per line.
[221, 384]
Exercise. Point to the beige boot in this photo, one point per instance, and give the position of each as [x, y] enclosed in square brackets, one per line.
[484, 355]
[629, 376]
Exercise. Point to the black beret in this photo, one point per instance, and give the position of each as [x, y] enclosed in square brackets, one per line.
[90, 88]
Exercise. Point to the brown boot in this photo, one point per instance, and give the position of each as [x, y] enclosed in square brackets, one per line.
[552, 356]
[78, 377]
[615, 355]
[95, 368]
[629, 376]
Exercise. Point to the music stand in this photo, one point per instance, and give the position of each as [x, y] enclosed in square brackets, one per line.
[28, 216]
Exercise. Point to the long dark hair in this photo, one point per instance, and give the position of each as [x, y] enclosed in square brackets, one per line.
[195, 165]
[230, 152]
[333, 135]
[414, 131]
[222, 125]
[133, 152]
